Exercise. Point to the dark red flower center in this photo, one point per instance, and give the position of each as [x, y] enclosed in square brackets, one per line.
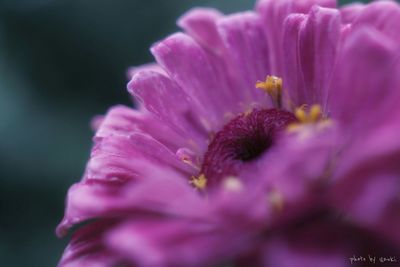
[243, 140]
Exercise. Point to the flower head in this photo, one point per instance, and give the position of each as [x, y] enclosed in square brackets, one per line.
[266, 138]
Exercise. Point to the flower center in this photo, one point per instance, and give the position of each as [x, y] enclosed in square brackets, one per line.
[243, 140]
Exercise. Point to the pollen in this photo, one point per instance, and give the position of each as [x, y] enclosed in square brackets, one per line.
[308, 116]
[199, 182]
[273, 87]
[312, 116]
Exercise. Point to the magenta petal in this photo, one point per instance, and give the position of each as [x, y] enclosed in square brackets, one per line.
[367, 184]
[118, 120]
[114, 161]
[121, 120]
[312, 197]
[293, 78]
[317, 52]
[200, 23]
[368, 197]
[87, 249]
[114, 157]
[273, 14]
[316, 244]
[246, 46]
[384, 16]
[294, 176]
[178, 243]
[310, 45]
[165, 192]
[364, 195]
[379, 145]
[351, 12]
[296, 166]
[191, 67]
[171, 104]
[241, 208]
[147, 67]
[173, 195]
[365, 85]
[390, 220]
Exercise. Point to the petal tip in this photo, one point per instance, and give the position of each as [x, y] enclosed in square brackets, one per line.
[198, 14]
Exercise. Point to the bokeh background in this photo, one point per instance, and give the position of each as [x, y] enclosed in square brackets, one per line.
[61, 62]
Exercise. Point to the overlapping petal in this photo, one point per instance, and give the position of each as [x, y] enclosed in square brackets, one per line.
[273, 14]
[201, 24]
[310, 43]
[384, 16]
[312, 200]
[365, 93]
[350, 12]
[204, 26]
[246, 47]
[157, 242]
[122, 152]
[192, 69]
[364, 87]
[87, 248]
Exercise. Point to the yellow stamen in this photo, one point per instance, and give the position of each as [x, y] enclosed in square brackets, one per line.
[294, 127]
[199, 182]
[312, 116]
[315, 113]
[301, 115]
[307, 117]
[273, 87]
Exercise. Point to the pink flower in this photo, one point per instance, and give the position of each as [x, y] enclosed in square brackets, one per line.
[214, 168]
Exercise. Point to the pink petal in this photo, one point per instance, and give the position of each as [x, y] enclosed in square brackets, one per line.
[365, 85]
[246, 46]
[113, 158]
[86, 248]
[193, 70]
[200, 23]
[368, 197]
[367, 185]
[318, 42]
[168, 102]
[293, 78]
[369, 147]
[294, 176]
[310, 43]
[178, 243]
[132, 71]
[118, 120]
[121, 120]
[273, 14]
[384, 16]
[118, 156]
[172, 195]
[364, 194]
[316, 244]
[350, 12]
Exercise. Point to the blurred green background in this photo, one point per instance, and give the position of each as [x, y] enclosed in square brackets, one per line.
[61, 62]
